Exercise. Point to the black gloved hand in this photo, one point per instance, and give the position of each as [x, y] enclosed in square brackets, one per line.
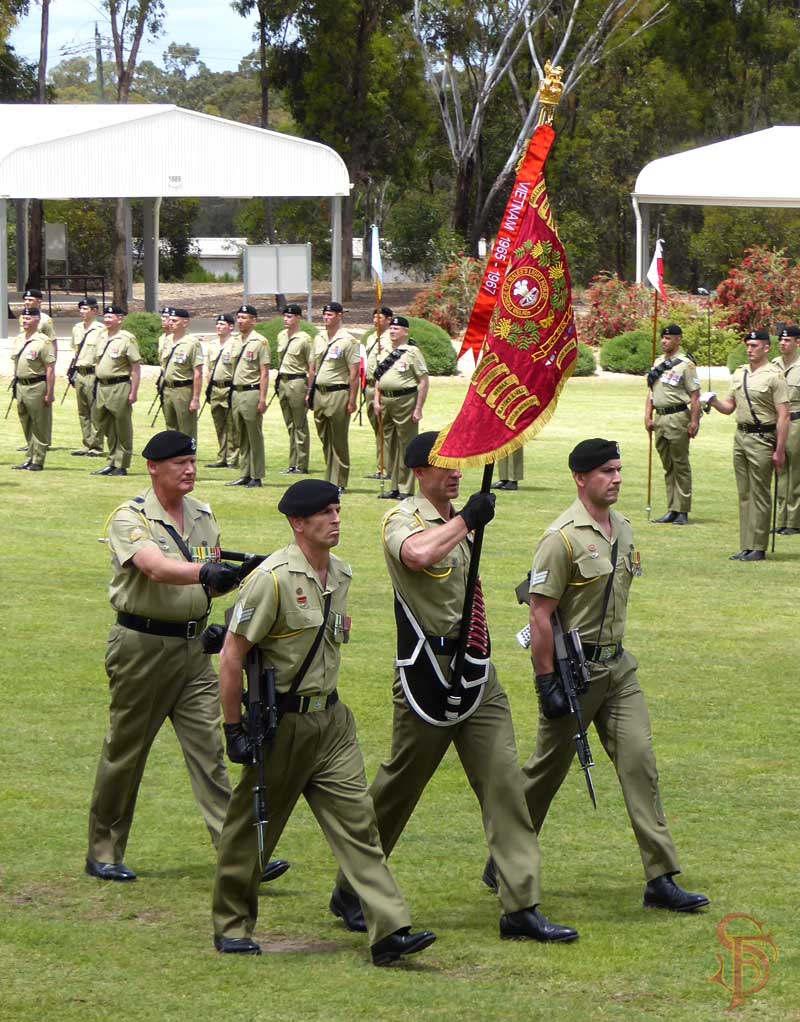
[212, 638]
[237, 744]
[219, 577]
[479, 510]
[249, 564]
[552, 701]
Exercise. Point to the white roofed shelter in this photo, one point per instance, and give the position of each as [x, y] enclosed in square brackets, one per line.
[752, 170]
[148, 151]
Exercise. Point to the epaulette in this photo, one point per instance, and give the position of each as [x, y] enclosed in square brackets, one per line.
[342, 566]
[691, 357]
[274, 560]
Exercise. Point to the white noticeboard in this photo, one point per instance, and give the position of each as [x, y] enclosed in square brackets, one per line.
[278, 269]
[55, 241]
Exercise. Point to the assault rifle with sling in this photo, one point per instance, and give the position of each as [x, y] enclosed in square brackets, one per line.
[262, 726]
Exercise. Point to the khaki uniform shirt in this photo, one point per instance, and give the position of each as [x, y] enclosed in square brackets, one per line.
[572, 564]
[280, 607]
[180, 358]
[343, 352]
[36, 357]
[45, 326]
[376, 352]
[792, 377]
[88, 346]
[164, 340]
[407, 371]
[299, 352]
[117, 355]
[434, 595]
[222, 367]
[766, 388]
[254, 354]
[138, 524]
[676, 385]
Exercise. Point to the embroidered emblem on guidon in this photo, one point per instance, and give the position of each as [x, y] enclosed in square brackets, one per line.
[428, 692]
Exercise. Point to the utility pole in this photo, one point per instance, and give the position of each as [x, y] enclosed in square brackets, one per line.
[98, 56]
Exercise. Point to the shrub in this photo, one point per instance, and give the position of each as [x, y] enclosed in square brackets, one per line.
[146, 328]
[449, 300]
[272, 327]
[631, 352]
[586, 364]
[737, 356]
[695, 342]
[615, 306]
[762, 290]
[436, 346]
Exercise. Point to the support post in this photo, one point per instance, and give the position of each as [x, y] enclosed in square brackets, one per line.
[150, 243]
[336, 248]
[3, 268]
[22, 242]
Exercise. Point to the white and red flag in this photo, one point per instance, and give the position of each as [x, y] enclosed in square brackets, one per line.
[655, 274]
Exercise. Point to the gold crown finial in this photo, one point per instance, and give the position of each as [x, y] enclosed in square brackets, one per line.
[550, 90]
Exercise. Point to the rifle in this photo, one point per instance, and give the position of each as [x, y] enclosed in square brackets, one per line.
[262, 726]
[159, 397]
[13, 388]
[572, 670]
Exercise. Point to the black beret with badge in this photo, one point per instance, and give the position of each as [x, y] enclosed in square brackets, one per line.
[420, 448]
[248, 310]
[399, 321]
[87, 303]
[758, 335]
[32, 292]
[169, 443]
[293, 310]
[31, 312]
[384, 310]
[308, 497]
[114, 310]
[332, 307]
[180, 314]
[790, 331]
[226, 317]
[591, 454]
[673, 330]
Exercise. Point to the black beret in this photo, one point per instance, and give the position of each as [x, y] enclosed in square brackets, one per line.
[180, 313]
[169, 443]
[384, 310]
[114, 310]
[673, 330]
[249, 309]
[32, 292]
[308, 497]
[399, 321]
[420, 447]
[226, 317]
[790, 331]
[332, 307]
[87, 303]
[31, 312]
[166, 311]
[591, 454]
[293, 310]
[758, 335]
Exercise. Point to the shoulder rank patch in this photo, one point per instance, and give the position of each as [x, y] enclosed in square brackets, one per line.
[538, 578]
[243, 614]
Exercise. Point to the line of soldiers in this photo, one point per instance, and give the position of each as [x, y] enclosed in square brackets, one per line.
[765, 399]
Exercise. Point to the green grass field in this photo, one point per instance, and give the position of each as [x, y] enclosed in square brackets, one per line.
[717, 643]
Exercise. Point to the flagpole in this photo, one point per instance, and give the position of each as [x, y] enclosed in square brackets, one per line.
[649, 506]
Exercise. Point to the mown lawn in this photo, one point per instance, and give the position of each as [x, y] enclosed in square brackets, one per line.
[718, 648]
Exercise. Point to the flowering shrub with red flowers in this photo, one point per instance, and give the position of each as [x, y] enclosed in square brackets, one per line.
[763, 290]
[617, 307]
[448, 301]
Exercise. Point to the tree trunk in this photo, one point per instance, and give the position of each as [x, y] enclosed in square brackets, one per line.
[36, 264]
[463, 190]
[119, 276]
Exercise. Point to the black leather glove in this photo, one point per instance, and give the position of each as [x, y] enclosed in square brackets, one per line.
[552, 701]
[237, 744]
[219, 577]
[479, 510]
[249, 564]
[212, 638]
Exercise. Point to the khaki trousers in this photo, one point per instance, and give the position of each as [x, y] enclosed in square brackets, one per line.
[488, 752]
[615, 702]
[177, 414]
[113, 419]
[512, 468]
[753, 467]
[333, 430]
[225, 428]
[372, 418]
[36, 419]
[399, 429]
[249, 424]
[152, 678]
[84, 393]
[292, 398]
[315, 755]
[789, 482]
[672, 444]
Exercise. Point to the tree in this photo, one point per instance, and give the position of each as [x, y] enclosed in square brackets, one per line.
[36, 229]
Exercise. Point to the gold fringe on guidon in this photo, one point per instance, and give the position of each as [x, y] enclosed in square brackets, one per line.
[479, 460]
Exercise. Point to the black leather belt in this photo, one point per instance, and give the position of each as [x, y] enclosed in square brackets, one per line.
[794, 416]
[114, 379]
[28, 380]
[671, 409]
[84, 370]
[599, 654]
[762, 427]
[179, 383]
[174, 629]
[239, 387]
[404, 392]
[332, 387]
[305, 704]
[292, 376]
[217, 383]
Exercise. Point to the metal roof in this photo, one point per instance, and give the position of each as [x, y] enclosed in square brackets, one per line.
[759, 169]
[71, 151]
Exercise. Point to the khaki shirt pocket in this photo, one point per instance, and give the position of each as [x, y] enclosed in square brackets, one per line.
[299, 620]
[591, 568]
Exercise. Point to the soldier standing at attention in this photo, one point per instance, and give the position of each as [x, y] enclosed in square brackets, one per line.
[760, 399]
[672, 413]
[250, 382]
[166, 331]
[295, 358]
[334, 385]
[85, 337]
[582, 569]
[427, 550]
[221, 359]
[788, 521]
[294, 607]
[32, 301]
[401, 387]
[510, 471]
[34, 382]
[117, 376]
[182, 367]
[161, 543]
[377, 346]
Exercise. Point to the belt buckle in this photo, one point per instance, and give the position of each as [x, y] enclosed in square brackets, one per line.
[191, 629]
[316, 703]
[607, 653]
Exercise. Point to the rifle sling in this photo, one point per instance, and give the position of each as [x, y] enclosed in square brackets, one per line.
[309, 657]
[756, 419]
[607, 594]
